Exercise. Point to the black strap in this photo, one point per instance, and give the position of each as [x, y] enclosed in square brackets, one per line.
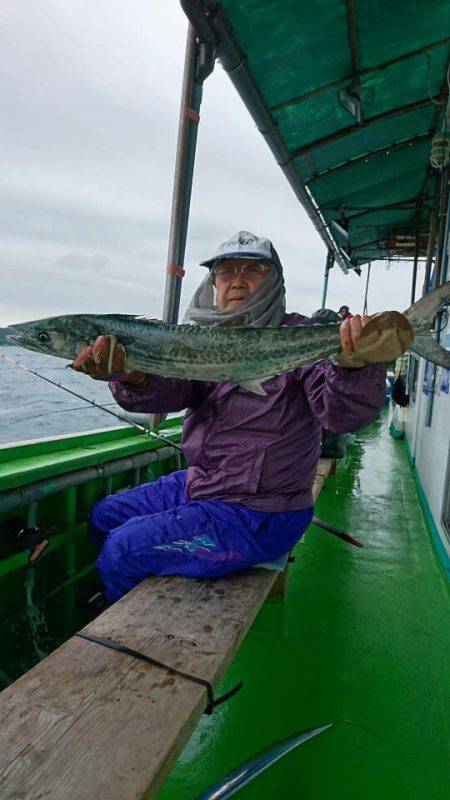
[212, 701]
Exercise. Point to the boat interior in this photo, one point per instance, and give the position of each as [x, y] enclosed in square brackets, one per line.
[352, 637]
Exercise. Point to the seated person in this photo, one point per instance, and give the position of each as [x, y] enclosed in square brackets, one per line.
[246, 497]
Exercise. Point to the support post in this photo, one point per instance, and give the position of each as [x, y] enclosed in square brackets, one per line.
[199, 62]
[367, 289]
[443, 263]
[431, 237]
[442, 224]
[416, 260]
[329, 265]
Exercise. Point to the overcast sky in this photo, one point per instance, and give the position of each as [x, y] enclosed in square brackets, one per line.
[91, 96]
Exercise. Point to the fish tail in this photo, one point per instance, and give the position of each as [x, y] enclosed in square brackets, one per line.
[420, 316]
[424, 345]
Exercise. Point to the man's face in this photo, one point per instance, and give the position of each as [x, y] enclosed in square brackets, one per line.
[235, 279]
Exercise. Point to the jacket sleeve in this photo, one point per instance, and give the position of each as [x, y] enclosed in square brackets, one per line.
[344, 400]
[159, 395]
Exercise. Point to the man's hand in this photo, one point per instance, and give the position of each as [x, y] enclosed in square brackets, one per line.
[370, 339]
[106, 358]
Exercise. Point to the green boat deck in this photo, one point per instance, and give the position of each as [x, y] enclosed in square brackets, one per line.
[363, 635]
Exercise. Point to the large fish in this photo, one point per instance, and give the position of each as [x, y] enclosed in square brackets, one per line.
[246, 356]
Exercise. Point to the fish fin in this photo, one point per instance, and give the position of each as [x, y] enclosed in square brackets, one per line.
[253, 386]
[427, 347]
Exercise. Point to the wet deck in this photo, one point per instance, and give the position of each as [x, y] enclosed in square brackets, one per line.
[88, 720]
[363, 635]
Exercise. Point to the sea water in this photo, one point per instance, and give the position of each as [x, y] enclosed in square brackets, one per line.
[31, 408]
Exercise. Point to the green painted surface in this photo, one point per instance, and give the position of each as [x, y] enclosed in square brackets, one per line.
[41, 606]
[363, 635]
[299, 56]
[34, 461]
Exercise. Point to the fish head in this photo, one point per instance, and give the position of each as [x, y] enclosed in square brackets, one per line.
[54, 336]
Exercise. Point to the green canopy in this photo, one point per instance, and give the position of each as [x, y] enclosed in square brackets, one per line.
[349, 96]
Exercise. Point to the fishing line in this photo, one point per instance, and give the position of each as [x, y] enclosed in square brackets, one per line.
[61, 411]
[359, 725]
[91, 402]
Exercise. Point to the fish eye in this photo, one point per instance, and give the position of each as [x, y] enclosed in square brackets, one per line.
[43, 337]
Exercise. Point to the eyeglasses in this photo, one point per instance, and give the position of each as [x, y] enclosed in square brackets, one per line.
[227, 272]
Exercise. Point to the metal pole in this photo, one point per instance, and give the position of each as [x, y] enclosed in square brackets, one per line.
[329, 265]
[431, 237]
[367, 289]
[442, 224]
[416, 259]
[191, 97]
[443, 266]
[198, 64]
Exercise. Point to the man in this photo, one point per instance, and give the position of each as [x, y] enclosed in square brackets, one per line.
[344, 312]
[246, 497]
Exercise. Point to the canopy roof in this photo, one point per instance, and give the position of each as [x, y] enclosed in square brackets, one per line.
[348, 94]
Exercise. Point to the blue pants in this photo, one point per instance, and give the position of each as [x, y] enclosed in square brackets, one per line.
[155, 530]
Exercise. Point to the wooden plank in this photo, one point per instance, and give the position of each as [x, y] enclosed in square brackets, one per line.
[89, 722]
[324, 467]
[279, 589]
[317, 485]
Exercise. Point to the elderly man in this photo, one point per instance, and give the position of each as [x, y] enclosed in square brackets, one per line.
[246, 497]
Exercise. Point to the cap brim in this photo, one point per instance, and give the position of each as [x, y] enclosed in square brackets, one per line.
[210, 261]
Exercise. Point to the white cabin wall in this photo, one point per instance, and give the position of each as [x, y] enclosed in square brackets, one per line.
[430, 447]
[415, 411]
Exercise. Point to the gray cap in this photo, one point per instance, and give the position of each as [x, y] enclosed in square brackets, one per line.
[242, 245]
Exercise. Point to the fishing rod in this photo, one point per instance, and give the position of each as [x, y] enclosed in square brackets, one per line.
[136, 425]
[336, 532]
[319, 522]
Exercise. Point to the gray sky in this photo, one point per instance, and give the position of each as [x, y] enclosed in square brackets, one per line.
[91, 95]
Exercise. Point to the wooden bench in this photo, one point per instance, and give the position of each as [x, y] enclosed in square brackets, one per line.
[89, 722]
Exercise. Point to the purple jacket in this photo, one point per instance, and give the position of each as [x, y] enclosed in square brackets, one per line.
[258, 451]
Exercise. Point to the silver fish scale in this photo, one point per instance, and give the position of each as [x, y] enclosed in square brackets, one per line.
[220, 354]
[238, 355]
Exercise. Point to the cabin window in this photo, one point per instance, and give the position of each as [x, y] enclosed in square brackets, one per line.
[446, 503]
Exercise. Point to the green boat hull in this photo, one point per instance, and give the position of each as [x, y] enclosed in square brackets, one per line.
[42, 605]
